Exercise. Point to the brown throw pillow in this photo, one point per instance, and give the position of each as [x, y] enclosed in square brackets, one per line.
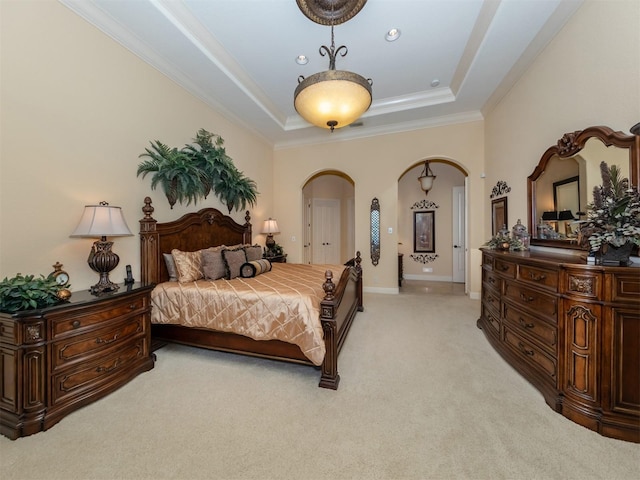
[233, 260]
[253, 252]
[213, 264]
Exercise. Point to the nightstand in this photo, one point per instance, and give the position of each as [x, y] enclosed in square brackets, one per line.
[277, 258]
[58, 359]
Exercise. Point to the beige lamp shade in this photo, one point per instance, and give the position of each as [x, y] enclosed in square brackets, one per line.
[270, 226]
[101, 221]
[333, 98]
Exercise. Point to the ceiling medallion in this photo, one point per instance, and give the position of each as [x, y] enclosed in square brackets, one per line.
[326, 12]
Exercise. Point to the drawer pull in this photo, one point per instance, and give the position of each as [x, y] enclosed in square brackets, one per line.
[75, 324]
[492, 280]
[525, 324]
[108, 369]
[110, 340]
[504, 268]
[524, 298]
[524, 349]
[536, 278]
[132, 306]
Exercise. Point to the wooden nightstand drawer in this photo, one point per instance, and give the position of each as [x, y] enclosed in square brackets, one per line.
[82, 347]
[87, 377]
[537, 329]
[541, 277]
[93, 316]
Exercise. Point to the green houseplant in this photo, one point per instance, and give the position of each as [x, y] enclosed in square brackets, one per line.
[613, 218]
[191, 173]
[26, 292]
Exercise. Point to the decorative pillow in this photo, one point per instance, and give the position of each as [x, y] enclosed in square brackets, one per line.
[171, 267]
[188, 265]
[213, 265]
[253, 252]
[233, 260]
[256, 267]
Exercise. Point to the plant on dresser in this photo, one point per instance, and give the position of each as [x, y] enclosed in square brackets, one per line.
[572, 330]
[60, 358]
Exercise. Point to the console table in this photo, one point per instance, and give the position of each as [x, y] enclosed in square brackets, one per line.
[572, 330]
[58, 359]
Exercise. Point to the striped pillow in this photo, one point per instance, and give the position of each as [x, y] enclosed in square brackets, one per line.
[251, 269]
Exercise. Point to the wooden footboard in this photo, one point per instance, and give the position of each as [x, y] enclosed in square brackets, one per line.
[209, 227]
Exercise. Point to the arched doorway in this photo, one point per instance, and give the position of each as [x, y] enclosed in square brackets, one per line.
[445, 205]
[329, 223]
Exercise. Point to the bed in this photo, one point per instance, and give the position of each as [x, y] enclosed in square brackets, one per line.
[209, 227]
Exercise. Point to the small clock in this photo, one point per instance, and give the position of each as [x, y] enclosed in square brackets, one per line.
[62, 277]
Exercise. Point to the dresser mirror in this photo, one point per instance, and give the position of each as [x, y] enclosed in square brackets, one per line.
[561, 185]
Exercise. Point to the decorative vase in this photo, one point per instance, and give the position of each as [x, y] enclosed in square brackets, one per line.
[616, 256]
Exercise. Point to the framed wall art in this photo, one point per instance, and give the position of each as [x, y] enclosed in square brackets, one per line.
[424, 232]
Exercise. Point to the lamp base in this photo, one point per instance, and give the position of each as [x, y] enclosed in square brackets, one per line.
[102, 260]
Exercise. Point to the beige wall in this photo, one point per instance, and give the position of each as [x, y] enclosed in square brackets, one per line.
[376, 164]
[77, 110]
[588, 75]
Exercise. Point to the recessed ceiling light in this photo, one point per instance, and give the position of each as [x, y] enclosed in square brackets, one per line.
[392, 35]
[435, 82]
[302, 60]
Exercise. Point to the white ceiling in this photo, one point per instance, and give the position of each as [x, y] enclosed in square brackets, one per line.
[239, 55]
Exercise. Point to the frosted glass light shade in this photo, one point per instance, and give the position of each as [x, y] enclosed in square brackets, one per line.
[333, 98]
[100, 221]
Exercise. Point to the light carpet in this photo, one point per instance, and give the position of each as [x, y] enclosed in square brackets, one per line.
[422, 396]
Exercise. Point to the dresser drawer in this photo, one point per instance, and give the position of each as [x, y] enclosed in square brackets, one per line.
[487, 261]
[79, 348]
[537, 329]
[541, 277]
[491, 280]
[504, 268]
[530, 353]
[93, 316]
[534, 300]
[492, 300]
[583, 284]
[492, 319]
[86, 378]
[625, 287]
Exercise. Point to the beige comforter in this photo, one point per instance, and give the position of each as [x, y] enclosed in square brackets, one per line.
[283, 304]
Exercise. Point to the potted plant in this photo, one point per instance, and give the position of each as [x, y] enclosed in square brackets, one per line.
[25, 292]
[612, 227]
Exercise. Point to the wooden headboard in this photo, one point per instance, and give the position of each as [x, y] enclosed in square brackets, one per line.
[193, 231]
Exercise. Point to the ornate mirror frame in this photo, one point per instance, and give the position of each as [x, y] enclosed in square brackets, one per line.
[570, 144]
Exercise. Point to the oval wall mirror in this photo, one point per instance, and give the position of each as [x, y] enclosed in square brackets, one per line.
[561, 185]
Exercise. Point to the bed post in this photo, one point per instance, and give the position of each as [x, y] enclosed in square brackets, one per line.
[149, 238]
[358, 269]
[330, 377]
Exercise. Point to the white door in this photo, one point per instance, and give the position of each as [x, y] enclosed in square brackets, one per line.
[458, 222]
[325, 221]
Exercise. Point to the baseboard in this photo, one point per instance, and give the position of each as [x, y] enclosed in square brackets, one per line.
[388, 291]
[432, 278]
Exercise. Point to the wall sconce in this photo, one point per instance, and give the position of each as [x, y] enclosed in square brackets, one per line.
[426, 178]
[102, 221]
[270, 227]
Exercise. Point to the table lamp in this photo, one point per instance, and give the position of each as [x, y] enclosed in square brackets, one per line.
[270, 227]
[101, 221]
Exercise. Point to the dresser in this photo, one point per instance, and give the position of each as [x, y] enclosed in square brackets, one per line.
[572, 330]
[58, 359]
